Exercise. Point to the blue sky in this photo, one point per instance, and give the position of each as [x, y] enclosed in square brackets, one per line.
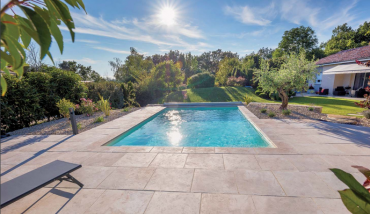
[111, 27]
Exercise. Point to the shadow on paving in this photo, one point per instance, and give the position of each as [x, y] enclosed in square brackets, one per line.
[34, 156]
[26, 142]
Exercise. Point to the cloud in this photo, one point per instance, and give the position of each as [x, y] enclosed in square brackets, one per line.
[250, 15]
[83, 60]
[87, 41]
[112, 50]
[297, 11]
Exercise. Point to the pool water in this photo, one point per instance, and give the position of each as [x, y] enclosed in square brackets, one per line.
[194, 127]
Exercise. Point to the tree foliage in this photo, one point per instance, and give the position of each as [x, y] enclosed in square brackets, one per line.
[86, 73]
[292, 75]
[40, 24]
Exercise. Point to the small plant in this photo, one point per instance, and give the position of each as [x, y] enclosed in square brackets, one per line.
[310, 108]
[248, 99]
[99, 119]
[104, 106]
[357, 197]
[79, 126]
[286, 112]
[366, 114]
[271, 114]
[64, 106]
[263, 110]
[365, 103]
[127, 109]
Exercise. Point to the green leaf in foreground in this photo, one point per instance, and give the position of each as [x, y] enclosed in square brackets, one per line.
[352, 183]
[353, 203]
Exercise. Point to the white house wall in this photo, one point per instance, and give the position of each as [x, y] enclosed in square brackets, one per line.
[328, 82]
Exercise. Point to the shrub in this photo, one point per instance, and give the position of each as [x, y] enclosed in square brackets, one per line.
[365, 103]
[271, 114]
[20, 105]
[99, 119]
[366, 114]
[201, 80]
[233, 81]
[87, 107]
[310, 108]
[263, 110]
[109, 90]
[104, 106]
[126, 109]
[64, 106]
[260, 93]
[286, 112]
[248, 99]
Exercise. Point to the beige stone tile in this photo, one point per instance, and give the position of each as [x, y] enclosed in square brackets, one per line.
[102, 159]
[304, 184]
[173, 202]
[275, 151]
[285, 205]
[360, 160]
[136, 159]
[44, 158]
[75, 157]
[341, 162]
[237, 161]
[227, 203]
[275, 162]
[228, 150]
[251, 182]
[127, 178]
[15, 172]
[171, 180]
[131, 148]
[53, 201]
[318, 149]
[89, 176]
[18, 158]
[353, 149]
[308, 163]
[198, 150]
[25, 203]
[82, 201]
[331, 206]
[166, 149]
[5, 168]
[331, 180]
[121, 201]
[214, 181]
[7, 155]
[206, 161]
[169, 160]
[36, 147]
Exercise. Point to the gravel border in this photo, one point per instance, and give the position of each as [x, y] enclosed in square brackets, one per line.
[63, 127]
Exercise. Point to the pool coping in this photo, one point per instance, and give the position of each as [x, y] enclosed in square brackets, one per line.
[102, 144]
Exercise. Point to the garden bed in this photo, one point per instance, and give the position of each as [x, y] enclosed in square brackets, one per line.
[302, 112]
[63, 127]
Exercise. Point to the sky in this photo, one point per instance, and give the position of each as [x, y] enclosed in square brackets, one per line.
[111, 27]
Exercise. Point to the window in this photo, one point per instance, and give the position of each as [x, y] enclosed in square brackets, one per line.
[361, 81]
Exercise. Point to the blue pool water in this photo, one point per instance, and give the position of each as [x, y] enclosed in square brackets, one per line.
[194, 127]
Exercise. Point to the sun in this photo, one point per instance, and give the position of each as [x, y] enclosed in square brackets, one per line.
[167, 16]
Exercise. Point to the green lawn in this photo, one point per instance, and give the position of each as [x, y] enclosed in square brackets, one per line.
[231, 94]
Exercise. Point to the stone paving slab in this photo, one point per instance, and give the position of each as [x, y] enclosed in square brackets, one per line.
[294, 176]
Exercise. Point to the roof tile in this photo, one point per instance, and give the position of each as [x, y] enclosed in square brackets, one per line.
[347, 55]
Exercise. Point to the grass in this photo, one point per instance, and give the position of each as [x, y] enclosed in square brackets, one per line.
[339, 106]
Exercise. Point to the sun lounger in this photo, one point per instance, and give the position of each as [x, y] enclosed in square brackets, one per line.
[25, 184]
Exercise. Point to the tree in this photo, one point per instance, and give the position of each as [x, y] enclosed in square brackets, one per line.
[297, 38]
[41, 24]
[33, 60]
[292, 75]
[344, 38]
[265, 53]
[228, 67]
[86, 73]
[169, 74]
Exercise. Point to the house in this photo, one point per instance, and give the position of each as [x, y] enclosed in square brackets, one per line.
[345, 69]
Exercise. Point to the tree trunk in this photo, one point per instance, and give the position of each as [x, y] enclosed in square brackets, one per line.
[284, 98]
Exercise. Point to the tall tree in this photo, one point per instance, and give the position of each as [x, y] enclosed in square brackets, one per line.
[86, 73]
[292, 75]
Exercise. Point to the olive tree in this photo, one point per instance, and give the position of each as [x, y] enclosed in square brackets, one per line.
[292, 75]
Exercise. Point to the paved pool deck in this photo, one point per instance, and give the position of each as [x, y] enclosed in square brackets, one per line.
[292, 178]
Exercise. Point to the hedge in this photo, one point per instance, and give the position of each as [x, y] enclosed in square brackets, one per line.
[201, 80]
[109, 90]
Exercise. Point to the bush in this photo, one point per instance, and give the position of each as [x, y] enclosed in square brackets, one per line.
[64, 106]
[260, 93]
[310, 108]
[366, 114]
[233, 81]
[20, 105]
[286, 112]
[248, 99]
[87, 107]
[271, 114]
[99, 119]
[201, 80]
[104, 106]
[127, 109]
[109, 90]
[263, 110]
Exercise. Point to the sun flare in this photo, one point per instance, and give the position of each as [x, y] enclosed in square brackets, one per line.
[167, 16]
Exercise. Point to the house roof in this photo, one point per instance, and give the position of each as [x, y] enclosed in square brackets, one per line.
[347, 55]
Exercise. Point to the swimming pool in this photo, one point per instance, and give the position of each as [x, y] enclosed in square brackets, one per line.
[194, 127]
